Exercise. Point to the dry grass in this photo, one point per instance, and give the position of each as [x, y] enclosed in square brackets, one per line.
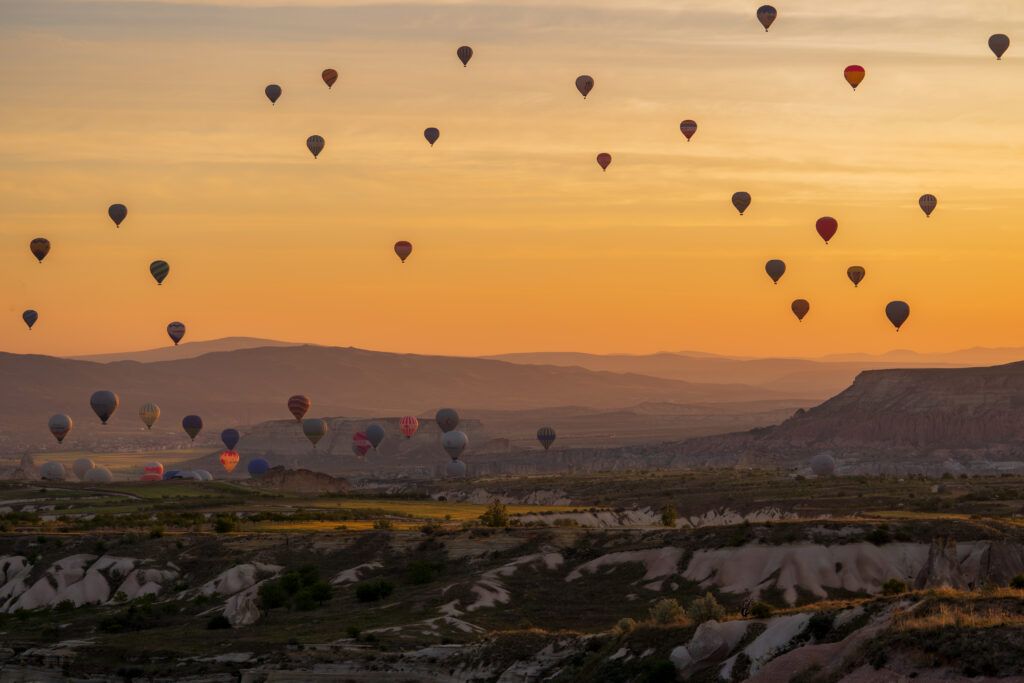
[963, 609]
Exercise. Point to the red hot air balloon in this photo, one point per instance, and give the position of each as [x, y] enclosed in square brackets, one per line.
[403, 249]
[409, 425]
[604, 159]
[152, 471]
[688, 128]
[229, 460]
[39, 247]
[854, 75]
[298, 405]
[330, 77]
[465, 54]
[827, 227]
[800, 308]
[361, 444]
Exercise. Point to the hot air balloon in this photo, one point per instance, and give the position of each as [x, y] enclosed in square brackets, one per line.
[741, 200]
[330, 76]
[465, 54]
[854, 75]
[315, 144]
[98, 475]
[60, 426]
[230, 438]
[375, 434]
[604, 159]
[104, 403]
[258, 467]
[298, 405]
[688, 128]
[431, 134]
[39, 247]
[897, 312]
[159, 271]
[150, 413]
[273, 92]
[409, 425]
[176, 331]
[229, 460]
[766, 15]
[53, 471]
[775, 268]
[192, 424]
[152, 471]
[928, 202]
[361, 444]
[454, 443]
[30, 317]
[800, 308]
[999, 43]
[447, 419]
[823, 465]
[314, 429]
[403, 249]
[456, 469]
[827, 227]
[856, 274]
[584, 84]
[546, 436]
[117, 213]
[81, 466]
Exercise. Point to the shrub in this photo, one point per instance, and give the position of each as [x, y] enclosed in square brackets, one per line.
[496, 515]
[156, 532]
[660, 671]
[421, 572]
[217, 622]
[353, 632]
[893, 587]
[819, 625]
[624, 626]
[383, 524]
[224, 524]
[879, 535]
[761, 610]
[372, 591]
[667, 611]
[1017, 582]
[669, 516]
[705, 609]
[272, 595]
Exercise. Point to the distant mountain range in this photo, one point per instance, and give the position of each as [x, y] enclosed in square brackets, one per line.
[186, 350]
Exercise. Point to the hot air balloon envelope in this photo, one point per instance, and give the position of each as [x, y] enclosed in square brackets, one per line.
[361, 444]
[192, 424]
[800, 308]
[176, 331]
[741, 200]
[229, 460]
[856, 274]
[999, 44]
[827, 227]
[454, 443]
[928, 202]
[854, 75]
[584, 84]
[60, 426]
[775, 269]
[897, 312]
[315, 144]
[403, 249]
[273, 92]
[688, 128]
[546, 436]
[431, 134]
[447, 419]
[150, 413]
[298, 405]
[230, 438]
[117, 213]
[409, 425]
[81, 466]
[104, 403]
[39, 247]
[465, 54]
[330, 77]
[159, 271]
[258, 467]
[314, 429]
[604, 160]
[30, 317]
[766, 15]
[823, 465]
[375, 434]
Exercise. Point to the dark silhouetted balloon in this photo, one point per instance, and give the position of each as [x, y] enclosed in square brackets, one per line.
[800, 308]
[456, 469]
[999, 43]
[192, 424]
[854, 75]
[39, 247]
[897, 312]
[315, 144]
[258, 467]
[827, 227]
[375, 433]
[150, 413]
[823, 465]
[104, 403]
[431, 134]
[176, 331]
[766, 15]
[273, 92]
[465, 54]
[584, 84]
[741, 200]
[775, 268]
[604, 159]
[361, 444]
[928, 202]
[298, 405]
[403, 249]
[230, 438]
[454, 443]
[688, 128]
[30, 317]
[409, 426]
[856, 274]
[60, 425]
[447, 419]
[159, 271]
[330, 77]
[117, 213]
[228, 460]
[314, 429]
[546, 436]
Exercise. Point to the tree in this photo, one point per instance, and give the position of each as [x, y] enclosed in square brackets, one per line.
[893, 587]
[669, 516]
[667, 611]
[705, 609]
[496, 515]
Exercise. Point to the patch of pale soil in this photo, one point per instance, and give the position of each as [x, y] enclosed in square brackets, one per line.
[660, 563]
[355, 573]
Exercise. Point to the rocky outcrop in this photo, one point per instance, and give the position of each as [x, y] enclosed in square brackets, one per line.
[282, 480]
[942, 568]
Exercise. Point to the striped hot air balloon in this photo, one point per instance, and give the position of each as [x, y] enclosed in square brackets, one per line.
[465, 53]
[298, 405]
[330, 77]
[229, 460]
[854, 75]
[604, 160]
[361, 444]
[315, 144]
[159, 271]
[152, 471]
[856, 274]
[688, 128]
[39, 247]
[546, 436]
[176, 331]
[409, 425]
[60, 426]
[150, 413]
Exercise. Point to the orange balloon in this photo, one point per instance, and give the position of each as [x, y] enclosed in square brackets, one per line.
[854, 75]
[229, 460]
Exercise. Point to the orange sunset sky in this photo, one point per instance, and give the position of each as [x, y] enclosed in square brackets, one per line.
[521, 243]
